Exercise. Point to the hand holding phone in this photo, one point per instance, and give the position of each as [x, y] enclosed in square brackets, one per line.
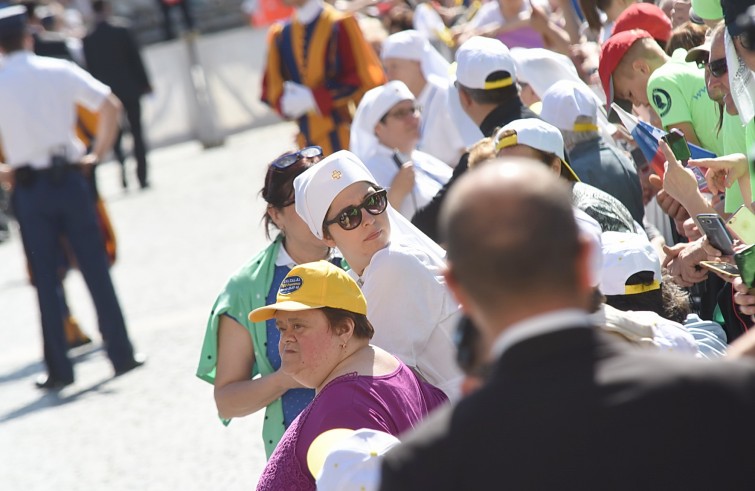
[715, 229]
[679, 147]
[726, 271]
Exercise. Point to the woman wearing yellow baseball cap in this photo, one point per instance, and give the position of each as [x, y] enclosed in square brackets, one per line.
[325, 344]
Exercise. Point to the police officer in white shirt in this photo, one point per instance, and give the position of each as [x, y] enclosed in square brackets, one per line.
[47, 164]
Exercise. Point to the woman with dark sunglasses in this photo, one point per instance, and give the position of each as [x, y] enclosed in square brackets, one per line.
[235, 349]
[399, 269]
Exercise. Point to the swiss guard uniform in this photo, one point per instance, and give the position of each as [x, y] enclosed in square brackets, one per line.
[318, 67]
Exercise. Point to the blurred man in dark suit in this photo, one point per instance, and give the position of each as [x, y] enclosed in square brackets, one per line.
[565, 406]
[112, 57]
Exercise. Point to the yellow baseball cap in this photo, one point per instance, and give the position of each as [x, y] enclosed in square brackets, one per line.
[314, 286]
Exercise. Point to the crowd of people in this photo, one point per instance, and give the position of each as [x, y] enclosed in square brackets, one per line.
[488, 265]
[510, 236]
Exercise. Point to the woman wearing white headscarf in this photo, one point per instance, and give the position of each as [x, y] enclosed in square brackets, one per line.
[538, 69]
[399, 269]
[446, 131]
[384, 135]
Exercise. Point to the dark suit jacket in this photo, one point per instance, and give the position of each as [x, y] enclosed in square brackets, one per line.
[113, 58]
[574, 409]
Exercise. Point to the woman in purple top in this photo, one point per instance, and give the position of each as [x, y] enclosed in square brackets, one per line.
[325, 344]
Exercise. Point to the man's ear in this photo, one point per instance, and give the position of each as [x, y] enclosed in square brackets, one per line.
[584, 264]
[640, 65]
[455, 287]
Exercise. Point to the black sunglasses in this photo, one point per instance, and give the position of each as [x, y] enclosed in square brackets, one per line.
[717, 68]
[286, 161]
[350, 217]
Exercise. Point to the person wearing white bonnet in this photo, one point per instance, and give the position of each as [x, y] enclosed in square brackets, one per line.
[538, 69]
[572, 108]
[384, 136]
[346, 460]
[409, 57]
[399, 269]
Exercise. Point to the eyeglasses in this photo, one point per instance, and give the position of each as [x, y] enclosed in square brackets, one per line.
[286, 161]
[717, 68]
[403, 113]
[350, 217]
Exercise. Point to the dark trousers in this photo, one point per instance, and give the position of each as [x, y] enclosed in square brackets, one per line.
[168, 22]
[133, 109]
[46, 210]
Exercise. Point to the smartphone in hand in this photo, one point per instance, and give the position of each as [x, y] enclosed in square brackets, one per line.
[742, 223]
[679, 147]
[715, 229]
[725, 270]
[745, 260]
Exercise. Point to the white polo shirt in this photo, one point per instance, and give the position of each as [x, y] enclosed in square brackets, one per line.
[38, 97]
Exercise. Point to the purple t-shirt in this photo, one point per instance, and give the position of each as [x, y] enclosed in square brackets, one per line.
[392, 403]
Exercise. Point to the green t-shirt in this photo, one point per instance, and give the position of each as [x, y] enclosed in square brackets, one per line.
[677, 92]
[734, 142]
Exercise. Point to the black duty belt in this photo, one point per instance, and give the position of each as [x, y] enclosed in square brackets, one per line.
[26, 175]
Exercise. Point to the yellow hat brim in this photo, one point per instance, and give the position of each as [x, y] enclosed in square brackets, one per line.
[268, 312]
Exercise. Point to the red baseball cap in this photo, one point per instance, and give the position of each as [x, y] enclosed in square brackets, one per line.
[645, 16]
[611, 54]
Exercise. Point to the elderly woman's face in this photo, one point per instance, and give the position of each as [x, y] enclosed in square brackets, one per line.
[309, 349]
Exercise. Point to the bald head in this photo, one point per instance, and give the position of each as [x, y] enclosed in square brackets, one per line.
[511, 234]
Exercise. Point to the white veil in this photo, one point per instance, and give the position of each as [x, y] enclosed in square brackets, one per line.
[316, 188]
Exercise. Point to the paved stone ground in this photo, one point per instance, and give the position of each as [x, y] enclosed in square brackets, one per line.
[154, 428]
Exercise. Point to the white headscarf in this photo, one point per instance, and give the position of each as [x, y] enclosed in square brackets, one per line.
[373, 106]
[317, 187]
[541, 68]
[741, 81]
[411, 45]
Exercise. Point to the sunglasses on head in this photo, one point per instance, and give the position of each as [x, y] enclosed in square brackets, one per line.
[350, 217]
[286, 161]
[717, 68]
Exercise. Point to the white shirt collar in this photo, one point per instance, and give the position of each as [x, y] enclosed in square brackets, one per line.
[308, 12]
[538, 325]
[283, 258]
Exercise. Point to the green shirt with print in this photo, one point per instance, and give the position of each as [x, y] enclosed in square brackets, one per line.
[676, 92]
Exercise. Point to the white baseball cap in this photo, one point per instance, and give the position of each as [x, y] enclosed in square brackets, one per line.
[317, 187]
[626, 254]
[571, 106]
[345, 460]
[478, 58]
[537, 134]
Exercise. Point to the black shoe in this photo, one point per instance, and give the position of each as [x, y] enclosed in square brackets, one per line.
[47, 382]
[138, 360]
